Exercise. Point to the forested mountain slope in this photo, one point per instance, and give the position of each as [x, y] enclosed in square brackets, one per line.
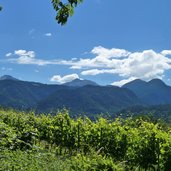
[153, 92]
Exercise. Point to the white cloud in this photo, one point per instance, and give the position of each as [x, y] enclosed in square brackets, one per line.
[100, 61]
[30, 61]
[102, 52]
[29, 58]
[64, 79]
[74, 59]
[166, 52]
[105, 58]
[124, 81]
[145, 65]
[24, 53]
[48, 34]
[8, 54]
[99, 71]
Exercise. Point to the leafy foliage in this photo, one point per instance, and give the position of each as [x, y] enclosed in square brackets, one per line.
[154, 112]
[46, 142]
[64, 10]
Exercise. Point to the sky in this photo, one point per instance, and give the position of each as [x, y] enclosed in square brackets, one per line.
[109, 42]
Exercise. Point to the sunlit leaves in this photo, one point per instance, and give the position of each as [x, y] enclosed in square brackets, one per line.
[64, 10]
[137, 143]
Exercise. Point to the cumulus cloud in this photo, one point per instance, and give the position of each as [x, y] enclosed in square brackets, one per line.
[122, 82]
[166, 52]
[102, 52]
[64, 79]
[145, 65]
[48, 34]
[105, 58]
[26, 57]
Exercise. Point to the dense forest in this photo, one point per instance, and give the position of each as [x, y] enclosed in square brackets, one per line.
[160, 112]
[45, 142]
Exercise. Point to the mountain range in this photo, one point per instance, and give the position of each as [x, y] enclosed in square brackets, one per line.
[154, 92]
[81, 96]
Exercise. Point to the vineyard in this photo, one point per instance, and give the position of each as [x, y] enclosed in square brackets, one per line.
[30, 142]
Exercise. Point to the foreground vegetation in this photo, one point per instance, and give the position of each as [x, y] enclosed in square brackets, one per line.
[44, 142]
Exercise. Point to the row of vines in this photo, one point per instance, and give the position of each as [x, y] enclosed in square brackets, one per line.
[131, 144]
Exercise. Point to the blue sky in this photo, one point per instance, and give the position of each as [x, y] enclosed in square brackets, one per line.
[109, 42]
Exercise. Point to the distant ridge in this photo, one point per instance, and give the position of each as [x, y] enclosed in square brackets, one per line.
[157, 82]
[7, 77]
[153, 92]
[81, 96]
[139, 81]
[89, 100]
[80, 83]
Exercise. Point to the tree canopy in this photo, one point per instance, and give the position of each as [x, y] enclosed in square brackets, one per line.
[64, 9]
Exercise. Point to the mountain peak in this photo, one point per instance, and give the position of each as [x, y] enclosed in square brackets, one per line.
[153, 92]
[157, 81]
[136, 82]
[139, 82]
[7, 77]
[80, 83]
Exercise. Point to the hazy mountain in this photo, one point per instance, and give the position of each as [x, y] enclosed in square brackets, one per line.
[89, 99]
[22, 94]
[81, 96]
[80, 83]
[151, 93]
[7, 77]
